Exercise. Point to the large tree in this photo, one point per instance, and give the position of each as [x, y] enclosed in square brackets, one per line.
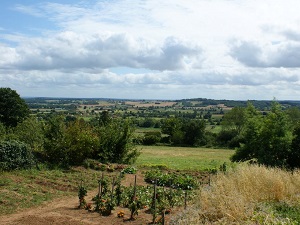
[13, 108]
[266, 138]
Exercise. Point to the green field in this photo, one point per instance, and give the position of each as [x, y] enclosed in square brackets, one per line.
[183, 158]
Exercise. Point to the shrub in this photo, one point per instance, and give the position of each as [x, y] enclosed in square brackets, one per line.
[151, 138]
[15, 155]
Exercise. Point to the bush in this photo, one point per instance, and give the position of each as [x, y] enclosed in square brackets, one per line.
[151, 138]
[15, 155]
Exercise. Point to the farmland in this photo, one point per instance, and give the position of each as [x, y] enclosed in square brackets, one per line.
[37, 186]
[147, 152]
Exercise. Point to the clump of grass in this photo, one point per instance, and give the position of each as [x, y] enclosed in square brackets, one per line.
[248, 194]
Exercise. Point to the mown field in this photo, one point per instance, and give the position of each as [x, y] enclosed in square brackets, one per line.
[183, 158]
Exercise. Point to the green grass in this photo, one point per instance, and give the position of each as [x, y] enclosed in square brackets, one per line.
[27, 188]
[183, 158]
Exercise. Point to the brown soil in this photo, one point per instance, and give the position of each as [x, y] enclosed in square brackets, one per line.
[64, 211]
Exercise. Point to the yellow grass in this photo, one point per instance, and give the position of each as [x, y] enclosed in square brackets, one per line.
[240, 197]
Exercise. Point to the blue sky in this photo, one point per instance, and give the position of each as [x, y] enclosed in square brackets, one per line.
[150, 49]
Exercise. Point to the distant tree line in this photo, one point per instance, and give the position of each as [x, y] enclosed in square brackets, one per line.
[270, 137]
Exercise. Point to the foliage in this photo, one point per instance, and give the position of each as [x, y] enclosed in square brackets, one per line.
[116, 142]
[293, 159]
[185, 132]
[151, 138]
[30, 131]
[13, 108]
[54, 135]
[79, 142]
[2, 131]
[82, 192]
[174, 180]
[234, 119]
[104, 205]
[194, 133]
[266, 139]
[228, 138]
[69, 143]
[129, 170]
[15, 155]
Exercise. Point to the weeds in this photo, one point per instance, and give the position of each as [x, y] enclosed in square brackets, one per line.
[249, 194]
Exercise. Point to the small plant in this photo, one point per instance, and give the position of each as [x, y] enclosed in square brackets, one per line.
[82, 192]
[103, 206]
[129, 170]
[107, 207]
[134, 207]
[118, 192]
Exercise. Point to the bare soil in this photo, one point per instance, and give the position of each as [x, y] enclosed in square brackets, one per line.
[64, 211]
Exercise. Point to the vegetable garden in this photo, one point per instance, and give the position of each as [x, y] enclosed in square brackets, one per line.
[162, 193]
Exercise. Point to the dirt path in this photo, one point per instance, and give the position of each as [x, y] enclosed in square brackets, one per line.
[64, 211]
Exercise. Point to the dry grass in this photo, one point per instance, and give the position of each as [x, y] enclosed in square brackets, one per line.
[245, 195]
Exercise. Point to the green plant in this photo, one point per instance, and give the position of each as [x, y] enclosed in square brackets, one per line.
[13, 109]
[118, 192]
[134, 207]
[177, 181]
[129, 170]
[15, 155]
[82, 192]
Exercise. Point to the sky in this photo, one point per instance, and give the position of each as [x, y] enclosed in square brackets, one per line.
[150, 49]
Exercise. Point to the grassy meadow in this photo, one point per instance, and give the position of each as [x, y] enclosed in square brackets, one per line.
[183, 158]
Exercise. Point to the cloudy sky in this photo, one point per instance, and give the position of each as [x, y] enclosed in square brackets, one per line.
[151, 49]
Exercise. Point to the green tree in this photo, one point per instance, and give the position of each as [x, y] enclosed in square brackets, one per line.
[116, 142]
[54, 132]
[275, 138]
[194, 132]
[293, 160]
[30, 131]
[294, 115]
[2, 131]
[80, 142]
[13, 108]
[266, 139]
[172, 127]
[234, 119]
[253, 125]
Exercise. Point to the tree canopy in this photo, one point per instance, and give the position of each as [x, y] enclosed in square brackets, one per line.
[13, 108]
[266, 138]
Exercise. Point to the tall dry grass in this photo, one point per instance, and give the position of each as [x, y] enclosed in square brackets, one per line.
[240, 196]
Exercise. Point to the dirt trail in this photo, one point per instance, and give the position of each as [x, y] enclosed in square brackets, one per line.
[64, 211]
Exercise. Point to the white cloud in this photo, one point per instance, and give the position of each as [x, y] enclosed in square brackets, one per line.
[69, 50]
[179, 48]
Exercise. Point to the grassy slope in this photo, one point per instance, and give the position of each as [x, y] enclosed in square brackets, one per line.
[183, 158]
[24, 189]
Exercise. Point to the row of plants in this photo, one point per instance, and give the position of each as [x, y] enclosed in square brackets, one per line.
[155, 200]
[173, 180]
